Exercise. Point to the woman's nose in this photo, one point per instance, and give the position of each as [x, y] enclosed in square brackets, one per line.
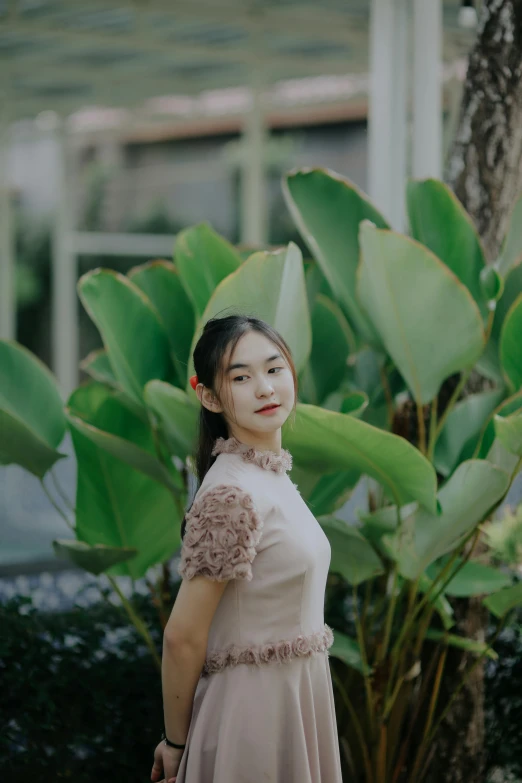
[264, 387]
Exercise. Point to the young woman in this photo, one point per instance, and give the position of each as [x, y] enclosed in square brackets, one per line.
[246, 682]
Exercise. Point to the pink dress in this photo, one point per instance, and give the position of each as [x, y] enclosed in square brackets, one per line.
[263, 709]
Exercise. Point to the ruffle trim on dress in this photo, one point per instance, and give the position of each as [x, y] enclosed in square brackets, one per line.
[222, 533]
[269, 460]
[279, 652]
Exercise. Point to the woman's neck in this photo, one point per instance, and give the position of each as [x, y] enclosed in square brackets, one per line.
[263, 441]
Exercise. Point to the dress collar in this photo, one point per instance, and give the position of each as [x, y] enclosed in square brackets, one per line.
[269, 460]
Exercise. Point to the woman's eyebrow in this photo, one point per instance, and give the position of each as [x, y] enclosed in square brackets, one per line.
[238, 365]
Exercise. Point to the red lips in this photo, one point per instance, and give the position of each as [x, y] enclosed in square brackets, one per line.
[266, 407]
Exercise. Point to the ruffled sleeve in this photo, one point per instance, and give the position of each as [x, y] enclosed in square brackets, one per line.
[222, 533]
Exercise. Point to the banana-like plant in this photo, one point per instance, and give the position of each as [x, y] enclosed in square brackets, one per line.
[426, 314]
[386, 330]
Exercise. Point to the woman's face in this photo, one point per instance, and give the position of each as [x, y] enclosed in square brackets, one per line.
[254, 376]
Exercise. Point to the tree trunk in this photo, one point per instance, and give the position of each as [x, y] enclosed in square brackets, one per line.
[486, 158]
[485, 171]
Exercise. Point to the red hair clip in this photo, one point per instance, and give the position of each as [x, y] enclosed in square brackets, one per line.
[193, 380]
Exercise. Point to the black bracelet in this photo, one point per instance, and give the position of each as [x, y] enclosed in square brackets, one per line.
[169, 743]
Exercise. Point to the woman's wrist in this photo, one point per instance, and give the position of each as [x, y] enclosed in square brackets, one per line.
[171, 744]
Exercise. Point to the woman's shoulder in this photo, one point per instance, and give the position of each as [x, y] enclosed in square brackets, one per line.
[223, 531]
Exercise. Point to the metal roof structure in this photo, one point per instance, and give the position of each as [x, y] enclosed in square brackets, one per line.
[61, 55]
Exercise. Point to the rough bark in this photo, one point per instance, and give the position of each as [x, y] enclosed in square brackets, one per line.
[485, 171]
[486, 158]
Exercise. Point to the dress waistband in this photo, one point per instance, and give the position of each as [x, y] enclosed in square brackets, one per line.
[278, 652]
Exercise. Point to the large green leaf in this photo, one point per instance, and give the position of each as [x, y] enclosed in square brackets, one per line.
[161, 282]
[324, 441]
[354, 404]
[94, 559]
[461, 432]
[427, 319]
[472, 579]
[204, 259]
[368, 367]
[121, 420]
[505, 600]
[32, 422]
[511, 344]
[178, 414]
[352, 556]
[348, 651]
[439, 221]
[383, 520]
[331, 342]
[511, 405]
[512, 290]
[491, 284]
[331, 491]
[466, 499]
[499, 456]
[116, 505]
[512, 246]
[130, 327]
[324, 493]
[327, 210]
[97, 364]
[489, 362]
[316, 283]
[269, 286]
[341, 401]
[509, 431]
[20, 446]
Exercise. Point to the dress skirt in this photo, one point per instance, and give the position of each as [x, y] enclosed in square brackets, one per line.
[273, 723]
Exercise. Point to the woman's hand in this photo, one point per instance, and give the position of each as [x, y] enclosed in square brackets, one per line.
[166, 762]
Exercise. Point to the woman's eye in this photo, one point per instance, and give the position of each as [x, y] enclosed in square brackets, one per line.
[240, 377]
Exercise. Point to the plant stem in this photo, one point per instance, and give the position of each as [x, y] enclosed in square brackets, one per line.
[424, 624]
[381, 755]
[453, 399]
[433, 428]
[367, 598]
[364, 658]
[436, 582]
[463, 682]
[388, 395]
[421, 426]
[489, 325]
[56, 506]
[413, 718]
[137, 621]
[389, 616]
[389, 702]
[476, 533]
[435, 692]
[431, 711]
[356, 725]
[61, 492]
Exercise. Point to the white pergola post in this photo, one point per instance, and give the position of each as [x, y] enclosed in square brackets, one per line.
[427, 89]
[65, 323]
[7, 257]
[253, 187]
[387, 113]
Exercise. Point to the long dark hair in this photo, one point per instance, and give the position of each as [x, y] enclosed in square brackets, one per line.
[219, 336]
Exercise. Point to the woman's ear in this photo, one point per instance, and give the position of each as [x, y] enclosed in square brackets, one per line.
[208, 399]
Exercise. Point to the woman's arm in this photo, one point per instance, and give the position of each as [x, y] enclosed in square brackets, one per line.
[184, 648]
